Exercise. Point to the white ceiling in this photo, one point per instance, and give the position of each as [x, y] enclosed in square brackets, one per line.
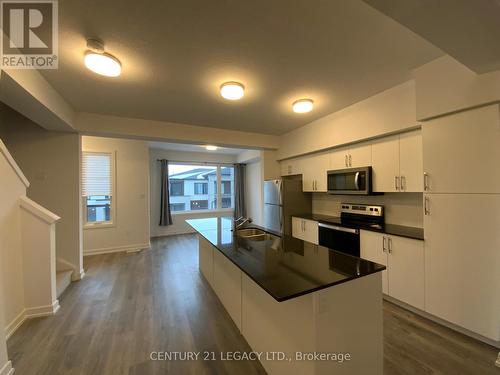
[467, 30]
[193, 148]
[176, 53]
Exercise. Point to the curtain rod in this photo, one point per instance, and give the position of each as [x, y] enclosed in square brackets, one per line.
[196, 162]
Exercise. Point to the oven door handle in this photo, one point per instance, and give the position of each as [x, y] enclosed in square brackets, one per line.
[356, 180]
[340, 229]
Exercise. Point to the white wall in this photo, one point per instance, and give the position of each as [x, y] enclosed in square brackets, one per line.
[179, 225]
[444, 86]
[254, 191]
[11, 274]
[114, 126]
[51, 162]
[387, 112]
[131, 222]
[400, 208]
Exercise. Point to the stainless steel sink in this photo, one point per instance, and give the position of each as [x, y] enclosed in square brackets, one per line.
[249, 232]
[254, 234]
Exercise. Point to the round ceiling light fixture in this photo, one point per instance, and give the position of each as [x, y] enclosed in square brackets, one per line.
[101, 62]
[232, 90]
[211, 148]
[303, 105]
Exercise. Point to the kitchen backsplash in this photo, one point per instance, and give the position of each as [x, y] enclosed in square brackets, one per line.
[400, 208]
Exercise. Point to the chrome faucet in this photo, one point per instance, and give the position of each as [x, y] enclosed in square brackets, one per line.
[238, 223]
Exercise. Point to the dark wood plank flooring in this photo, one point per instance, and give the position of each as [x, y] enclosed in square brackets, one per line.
[129, 305]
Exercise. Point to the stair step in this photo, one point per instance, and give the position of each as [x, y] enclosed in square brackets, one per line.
[63, 279]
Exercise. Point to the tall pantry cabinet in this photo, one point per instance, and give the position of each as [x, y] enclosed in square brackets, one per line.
[462, 219]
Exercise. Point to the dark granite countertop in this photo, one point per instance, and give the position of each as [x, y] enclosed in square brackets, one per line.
[285, 267]
[396, 230]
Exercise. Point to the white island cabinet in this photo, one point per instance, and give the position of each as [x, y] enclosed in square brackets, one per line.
[308, 310]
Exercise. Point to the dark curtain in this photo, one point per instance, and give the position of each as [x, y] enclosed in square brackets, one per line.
[239, 191]
[165, 214]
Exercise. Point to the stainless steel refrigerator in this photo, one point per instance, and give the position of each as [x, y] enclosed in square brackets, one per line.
[283, 198]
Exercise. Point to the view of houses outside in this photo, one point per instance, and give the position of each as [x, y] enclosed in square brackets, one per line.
[195, 187]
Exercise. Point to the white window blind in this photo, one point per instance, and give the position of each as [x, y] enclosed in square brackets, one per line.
[96, 174]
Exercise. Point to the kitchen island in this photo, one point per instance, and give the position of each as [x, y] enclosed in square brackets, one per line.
[307, 309]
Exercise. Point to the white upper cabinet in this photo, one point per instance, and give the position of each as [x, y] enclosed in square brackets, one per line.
[351, 157]
[314, 169]
[411, 162]
[339, 158]
[385, 164]
[462, 152]
[396, 160]
[291, 167]
[397, 163]
[360, 155]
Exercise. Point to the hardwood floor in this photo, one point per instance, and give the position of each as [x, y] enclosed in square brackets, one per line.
[130, 305]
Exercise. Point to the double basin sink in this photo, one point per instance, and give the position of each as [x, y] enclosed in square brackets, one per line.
[255, 234]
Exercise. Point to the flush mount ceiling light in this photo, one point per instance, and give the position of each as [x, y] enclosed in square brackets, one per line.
[211, 148]
[232, 90]
[302, 105]
[101, 62]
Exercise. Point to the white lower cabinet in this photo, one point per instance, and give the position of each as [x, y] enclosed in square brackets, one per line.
[404, 278]
[306, 230]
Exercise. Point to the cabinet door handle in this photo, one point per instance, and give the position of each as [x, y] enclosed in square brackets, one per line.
[315, 185]
[426, 181]
[396, 182]
[384, 248]
[389, 245]
[403, 183]
[427, 210]
[350, 160]
[346, 161]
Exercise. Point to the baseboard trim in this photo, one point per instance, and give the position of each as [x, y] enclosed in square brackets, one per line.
[15, 324]
[63, 265]
[30, 313]
[77, 276]
[7, 369]
[174, 233]
[117, 249]
[443, 322]
[41, 311]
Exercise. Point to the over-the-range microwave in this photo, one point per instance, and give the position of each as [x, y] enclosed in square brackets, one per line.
[356, 181]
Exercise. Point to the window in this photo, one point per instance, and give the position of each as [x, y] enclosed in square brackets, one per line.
[227, 184]
[200, 187]
[226, 187]
[176, 188]
[177, 207]
[97, 187]
[199, 204]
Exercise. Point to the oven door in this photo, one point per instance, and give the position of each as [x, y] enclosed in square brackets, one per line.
[345, 240]
[350, 181]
